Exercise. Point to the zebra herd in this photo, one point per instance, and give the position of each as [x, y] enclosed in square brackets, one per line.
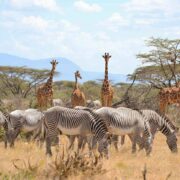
[99, 128]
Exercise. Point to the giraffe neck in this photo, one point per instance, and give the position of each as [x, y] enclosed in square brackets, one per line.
[106, 70]
[50, 80]
[76, 83]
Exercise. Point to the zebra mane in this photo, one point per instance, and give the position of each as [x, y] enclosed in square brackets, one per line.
[93, 113]
[167, 119]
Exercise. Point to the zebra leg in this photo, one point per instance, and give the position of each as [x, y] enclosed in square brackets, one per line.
[147, 138]
[28, 136]
[147, 143]
[13, 135]
[5, 139]
[115, 141]
[134, 138]
[71, 141]
[89, 142]
[133, 143]
[122, 139]
[93, 145]
[81, 142]
[48, 146]
[139, 141]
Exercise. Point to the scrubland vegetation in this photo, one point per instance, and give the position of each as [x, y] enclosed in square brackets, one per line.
[28, 161]
[18, 87]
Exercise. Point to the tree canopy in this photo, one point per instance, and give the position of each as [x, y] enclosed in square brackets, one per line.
[161, 65]
[20, 80]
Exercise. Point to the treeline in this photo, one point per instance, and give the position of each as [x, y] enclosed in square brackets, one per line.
[160, 68]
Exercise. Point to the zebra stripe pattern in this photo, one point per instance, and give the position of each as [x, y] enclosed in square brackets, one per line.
[7, 126]
[125, 121]
[75, 122]
[163, 124]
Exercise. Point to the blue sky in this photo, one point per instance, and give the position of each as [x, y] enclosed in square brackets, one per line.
[82, 30]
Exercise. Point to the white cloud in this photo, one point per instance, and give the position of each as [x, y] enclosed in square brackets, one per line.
[68, 26]
[148, 6]
[35, 22]
[86, 7]
[145, 21]
[46, 4]
[117, 18]
[115, 21]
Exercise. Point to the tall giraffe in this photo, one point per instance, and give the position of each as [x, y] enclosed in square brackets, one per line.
[106, 90]
[77, 97]
[169, 96]
[45, 91]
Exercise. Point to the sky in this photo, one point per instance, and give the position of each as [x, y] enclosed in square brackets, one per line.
[83, 30]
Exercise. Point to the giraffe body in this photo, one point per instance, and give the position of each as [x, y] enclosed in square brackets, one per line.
[45, 91]
[169, 96]
[77, 97]
[106, 90]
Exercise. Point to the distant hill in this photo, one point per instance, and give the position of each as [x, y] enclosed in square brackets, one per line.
[66, 68]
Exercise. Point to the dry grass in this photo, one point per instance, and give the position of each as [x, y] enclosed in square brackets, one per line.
[31, 163]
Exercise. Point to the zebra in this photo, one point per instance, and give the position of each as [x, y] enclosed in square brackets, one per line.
[75, 122]
[119, 123]
[30, 120]
[5, 123]
[131, 123]
[164, 125]
[161, 123]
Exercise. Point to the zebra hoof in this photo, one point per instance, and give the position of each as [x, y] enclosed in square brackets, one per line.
[49, 154]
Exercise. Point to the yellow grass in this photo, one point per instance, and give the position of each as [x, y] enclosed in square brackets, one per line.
[121, 165]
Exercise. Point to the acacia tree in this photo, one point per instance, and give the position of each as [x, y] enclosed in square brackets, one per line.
[161, 65]
[20, 80]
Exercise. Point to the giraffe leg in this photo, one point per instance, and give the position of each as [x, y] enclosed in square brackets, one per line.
[109, 101]
[102, 100]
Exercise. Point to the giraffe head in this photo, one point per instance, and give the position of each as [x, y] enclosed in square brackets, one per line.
[106, 56]
[77, 74]
[54, 63]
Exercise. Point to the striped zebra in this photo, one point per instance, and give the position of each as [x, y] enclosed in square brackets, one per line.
[30, 120]
[4, 122]
[159, 123]
[164, 125]
[121, 122]
[75, 122]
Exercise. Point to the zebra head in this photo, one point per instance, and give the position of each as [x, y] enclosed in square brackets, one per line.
[103, 147]
[172, 142]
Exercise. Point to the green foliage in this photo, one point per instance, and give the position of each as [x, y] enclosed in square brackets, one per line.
[20, 80]
[92, 90]
[162, 63]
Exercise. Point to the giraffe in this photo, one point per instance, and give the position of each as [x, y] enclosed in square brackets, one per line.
[77, 97]
[45, 91]
[106, 90]
[169, 96]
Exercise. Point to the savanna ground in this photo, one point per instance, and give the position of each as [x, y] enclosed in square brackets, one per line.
[30, 161]
[161, 164]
